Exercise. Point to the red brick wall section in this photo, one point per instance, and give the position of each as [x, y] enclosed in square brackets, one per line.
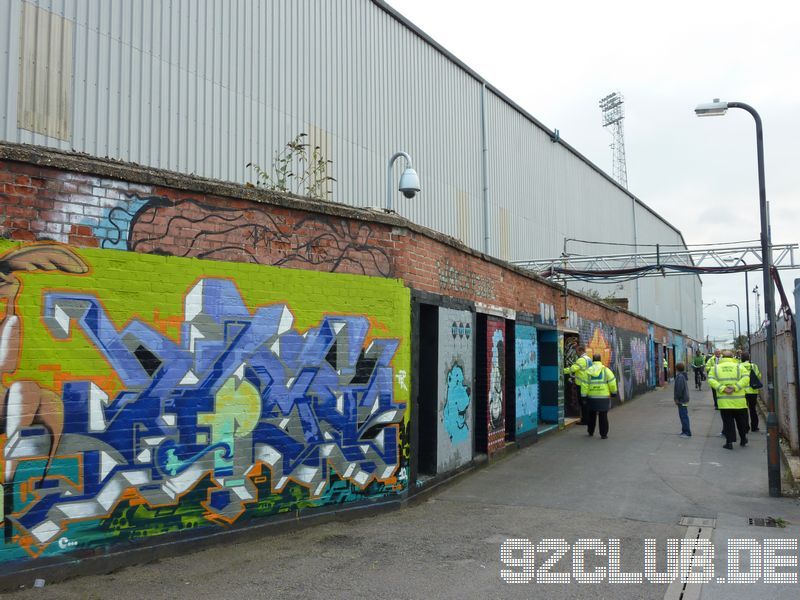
[49, 203]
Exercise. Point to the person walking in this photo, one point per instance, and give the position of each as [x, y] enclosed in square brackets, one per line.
[666, 370]
[710, 364]
[750, 392]
[730, 380]
[698, 366]
[599, 385]
[681, 396]
[577, 371]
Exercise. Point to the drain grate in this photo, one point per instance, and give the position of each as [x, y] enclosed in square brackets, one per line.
[762, 522]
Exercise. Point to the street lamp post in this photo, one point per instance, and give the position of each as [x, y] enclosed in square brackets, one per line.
[735, 335]
[746, 303]
[738, 317]
[773, 463]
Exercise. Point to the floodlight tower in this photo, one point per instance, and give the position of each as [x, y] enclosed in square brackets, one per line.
[613, 116]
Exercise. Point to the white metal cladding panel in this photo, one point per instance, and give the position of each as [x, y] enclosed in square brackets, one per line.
[9, 67]
[206, 86]
[549, 192]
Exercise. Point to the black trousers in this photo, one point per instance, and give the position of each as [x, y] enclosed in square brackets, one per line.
[592, 416]
[752, 402]
[584, 409]
[733, 419]
[714, 394]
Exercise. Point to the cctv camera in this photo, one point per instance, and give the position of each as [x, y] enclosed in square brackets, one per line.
[409, 183]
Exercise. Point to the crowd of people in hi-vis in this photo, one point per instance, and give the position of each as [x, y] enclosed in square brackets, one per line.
[734, 382]
[733, 378]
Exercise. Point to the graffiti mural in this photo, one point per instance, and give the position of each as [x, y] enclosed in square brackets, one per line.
[622, 367]
[571, 349]
[568, 346]
[639, 360]
[469, 282]
[624, 352]
[259, 234]
[633, 361]
[456, 405]
[600, 342]
[456, 414]
[119, 426]
[496, 382]
[527, 379]
[547, 314]
[652, 375]
[680, 350]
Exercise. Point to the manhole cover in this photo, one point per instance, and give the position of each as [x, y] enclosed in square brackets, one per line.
[688, 521]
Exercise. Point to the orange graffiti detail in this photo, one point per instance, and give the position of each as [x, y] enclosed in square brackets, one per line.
[599, 345]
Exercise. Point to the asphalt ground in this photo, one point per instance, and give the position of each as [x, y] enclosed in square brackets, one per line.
[633, 486]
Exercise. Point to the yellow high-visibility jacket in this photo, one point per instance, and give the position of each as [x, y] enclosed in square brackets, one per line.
[598, 386]
[751, 366]
[728, 372]
[578, 369]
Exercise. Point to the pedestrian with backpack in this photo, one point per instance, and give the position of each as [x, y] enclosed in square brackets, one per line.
[751, 391]
[730, 380]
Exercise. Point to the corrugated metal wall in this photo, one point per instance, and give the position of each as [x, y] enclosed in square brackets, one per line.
[207, 86]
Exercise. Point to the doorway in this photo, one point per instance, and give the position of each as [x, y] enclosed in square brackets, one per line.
[551, 408]
[428, 388]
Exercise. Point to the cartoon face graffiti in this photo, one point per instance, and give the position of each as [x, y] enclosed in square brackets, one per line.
[456, 405]
[25, 403]
[496, 379]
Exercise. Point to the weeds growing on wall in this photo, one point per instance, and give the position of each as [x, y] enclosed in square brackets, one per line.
[297, 169]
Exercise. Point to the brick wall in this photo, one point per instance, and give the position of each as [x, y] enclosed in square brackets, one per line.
[156, 356]
[191, 218]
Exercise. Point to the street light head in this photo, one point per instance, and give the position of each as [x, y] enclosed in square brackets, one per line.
[409, 183]
[711, 109]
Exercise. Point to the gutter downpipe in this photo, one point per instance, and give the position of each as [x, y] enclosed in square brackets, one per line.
[485, 171]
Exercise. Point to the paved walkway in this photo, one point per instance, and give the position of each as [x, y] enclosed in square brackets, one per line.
[635, 485]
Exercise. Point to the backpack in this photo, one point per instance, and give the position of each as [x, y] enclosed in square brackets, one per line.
[755, 382]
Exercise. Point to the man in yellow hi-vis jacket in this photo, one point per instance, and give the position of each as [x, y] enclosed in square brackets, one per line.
[599, 385]
[730, 381]
[577, 371]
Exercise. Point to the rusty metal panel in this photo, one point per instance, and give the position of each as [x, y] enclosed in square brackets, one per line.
[44, 98]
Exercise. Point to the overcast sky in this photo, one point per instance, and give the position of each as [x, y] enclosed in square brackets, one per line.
[557, 59]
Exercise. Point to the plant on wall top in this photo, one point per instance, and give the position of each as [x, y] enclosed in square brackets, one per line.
[296, 169]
